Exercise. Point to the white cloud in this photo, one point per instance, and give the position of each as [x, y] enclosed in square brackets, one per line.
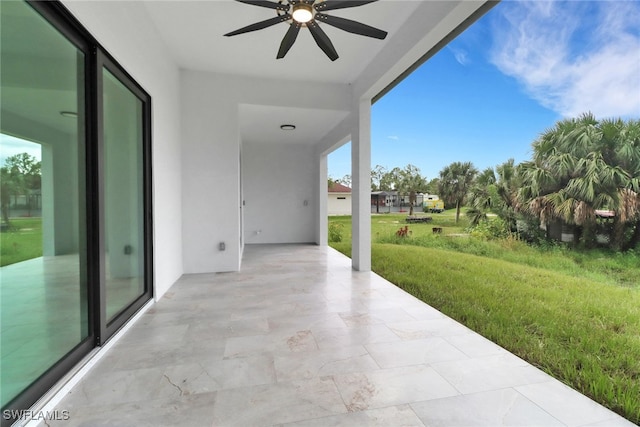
[394, 137]
[460, 55]
[571, 56]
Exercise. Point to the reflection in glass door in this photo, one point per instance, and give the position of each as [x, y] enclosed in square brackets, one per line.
[123, 195]
[43, 277]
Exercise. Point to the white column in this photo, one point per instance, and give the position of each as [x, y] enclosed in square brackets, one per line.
[322, 228]
[361, 185]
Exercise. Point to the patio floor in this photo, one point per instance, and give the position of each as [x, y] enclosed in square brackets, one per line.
[299, 339]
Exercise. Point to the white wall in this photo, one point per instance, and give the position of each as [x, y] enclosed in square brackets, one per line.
[124, 30]
[339, 204]
[278, 180]
[211, 161]
[211, 174]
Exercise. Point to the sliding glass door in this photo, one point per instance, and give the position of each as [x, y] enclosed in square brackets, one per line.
[75, 238]
[43, 289]
[125, 230]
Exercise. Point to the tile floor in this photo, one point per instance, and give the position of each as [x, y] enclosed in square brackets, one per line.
[299, 339]
[42, 316]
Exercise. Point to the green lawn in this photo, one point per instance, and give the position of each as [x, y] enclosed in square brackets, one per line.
[22, 241]
[575, 315]
[602, 266]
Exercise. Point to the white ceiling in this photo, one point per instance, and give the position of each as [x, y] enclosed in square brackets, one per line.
[260, 124]
[193, 31]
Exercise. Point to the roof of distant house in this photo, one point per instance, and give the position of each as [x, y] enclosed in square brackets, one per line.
[336, 187]
[603, 213]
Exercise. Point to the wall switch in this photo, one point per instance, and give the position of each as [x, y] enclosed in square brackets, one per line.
[222, 246]
[128, 249]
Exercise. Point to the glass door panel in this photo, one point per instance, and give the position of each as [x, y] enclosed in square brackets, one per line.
[43, 256]
[123, 195]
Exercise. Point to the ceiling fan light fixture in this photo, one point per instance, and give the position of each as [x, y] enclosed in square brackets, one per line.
[308, 14]
[302, 13]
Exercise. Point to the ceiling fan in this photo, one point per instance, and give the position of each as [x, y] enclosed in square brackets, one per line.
[308, 13]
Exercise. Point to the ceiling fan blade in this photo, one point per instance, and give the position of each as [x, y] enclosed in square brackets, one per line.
[288, 39]
[322, 40]
[260, 25]
[267, 4]
[340, 4]
[351, 26]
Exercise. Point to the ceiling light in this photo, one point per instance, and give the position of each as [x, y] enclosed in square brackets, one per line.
[71, 114]
[302, 13]
[287, 127]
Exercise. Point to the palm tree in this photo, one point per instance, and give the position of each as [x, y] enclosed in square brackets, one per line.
[580, 166]
[481, 196]
[509, 181]
[411, 182]
[495, 191]
[455, 181]
[627, 154]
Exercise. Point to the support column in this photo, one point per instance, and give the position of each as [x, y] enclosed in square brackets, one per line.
[361, 185]
[322, 228]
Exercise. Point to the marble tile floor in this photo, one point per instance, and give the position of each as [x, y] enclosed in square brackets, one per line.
[300, 339]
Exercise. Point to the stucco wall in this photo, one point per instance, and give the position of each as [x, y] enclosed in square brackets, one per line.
[211, 174]
[279, 190]
[125, 31]
[339, 204]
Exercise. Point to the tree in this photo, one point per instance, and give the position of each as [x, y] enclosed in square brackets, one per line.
[410, 182]
[455, 182]
[390, 180]
[482, 196]
[6, 190]
[345, 180]
[582, 165]
[495, 190]
[21, 175]
[432, 186]
[377, 174]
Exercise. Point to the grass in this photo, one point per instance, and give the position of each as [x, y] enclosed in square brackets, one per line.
[603, 266]
[574, 314]
[22, 241]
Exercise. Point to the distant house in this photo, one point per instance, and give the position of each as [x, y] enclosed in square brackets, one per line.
[339, 202]
[383, 201]
[560, 231]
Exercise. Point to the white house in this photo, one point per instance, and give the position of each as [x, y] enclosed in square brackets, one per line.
[339, 199]
[162, 145]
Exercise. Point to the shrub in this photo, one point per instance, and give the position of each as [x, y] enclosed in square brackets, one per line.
[493, 228]
[335, 232]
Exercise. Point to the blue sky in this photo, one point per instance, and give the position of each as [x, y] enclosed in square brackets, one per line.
[523, 66]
